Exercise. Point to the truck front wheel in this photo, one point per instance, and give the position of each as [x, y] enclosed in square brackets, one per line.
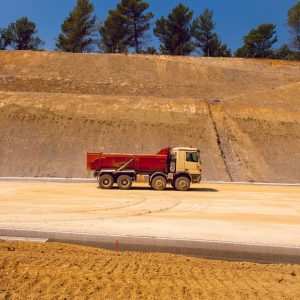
[182, 184]
[159, 183]
[124, 182]
[106, 181]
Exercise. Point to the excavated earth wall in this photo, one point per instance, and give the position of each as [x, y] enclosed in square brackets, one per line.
[243, 114]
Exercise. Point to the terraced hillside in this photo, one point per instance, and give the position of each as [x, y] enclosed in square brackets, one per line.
[244, 115]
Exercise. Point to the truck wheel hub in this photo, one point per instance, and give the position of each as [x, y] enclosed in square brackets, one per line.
[182, 184]
[159, 183]
[106, 181]
[124, 181]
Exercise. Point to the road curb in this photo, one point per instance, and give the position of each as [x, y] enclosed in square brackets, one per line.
[199, 248]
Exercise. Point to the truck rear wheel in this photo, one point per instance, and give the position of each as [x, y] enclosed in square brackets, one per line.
[182, 184]
[106, 181]
[124, 182]
[159, 183]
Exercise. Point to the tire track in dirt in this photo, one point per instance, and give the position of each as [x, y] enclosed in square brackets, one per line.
[91, 210]
[158, 210]
[121, 214]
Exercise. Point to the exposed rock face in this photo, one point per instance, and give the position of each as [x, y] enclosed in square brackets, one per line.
[244, 115]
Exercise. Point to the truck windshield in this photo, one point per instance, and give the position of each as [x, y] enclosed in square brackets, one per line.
[192, 157]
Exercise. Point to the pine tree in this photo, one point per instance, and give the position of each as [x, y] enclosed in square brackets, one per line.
[3, 39]
[175, 31]
[294, 25]
[114, 34]
[284, 53]
[21, 35]
[203, 27]
[78, 29]
[125, 27]
[258, 42]
[150, 50]
[205, 37]
[136, 20]
[219, 49]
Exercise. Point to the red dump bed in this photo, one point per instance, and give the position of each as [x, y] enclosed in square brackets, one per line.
[140, 163]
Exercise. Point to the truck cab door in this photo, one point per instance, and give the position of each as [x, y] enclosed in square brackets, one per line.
[192, 164]
[180, 161]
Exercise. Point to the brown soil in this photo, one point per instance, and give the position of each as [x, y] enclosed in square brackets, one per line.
[57, 271]
[243, 114]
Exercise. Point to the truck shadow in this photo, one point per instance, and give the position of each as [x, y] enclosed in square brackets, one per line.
[169, 189]
[209, 190]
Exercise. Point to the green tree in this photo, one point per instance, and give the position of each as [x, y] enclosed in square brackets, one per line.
[294, 24]
[114, 34]
[3, 39]
[137, 21]
[205, 37]
[218, 49]
[297, 55]
[258, 42]
[284, 53]
[175, 31]
[78, 29]
[21, 35]
[203, 28]
[150, 50]
[241, 52]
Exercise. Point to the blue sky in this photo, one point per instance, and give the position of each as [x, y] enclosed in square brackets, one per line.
[234, 17]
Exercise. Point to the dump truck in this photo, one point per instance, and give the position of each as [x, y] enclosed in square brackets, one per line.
[179, 167]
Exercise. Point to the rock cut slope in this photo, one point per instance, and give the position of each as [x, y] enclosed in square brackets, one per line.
[244, 115]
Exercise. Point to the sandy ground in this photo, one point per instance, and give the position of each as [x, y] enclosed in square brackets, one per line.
[239, 213]
[57, 271]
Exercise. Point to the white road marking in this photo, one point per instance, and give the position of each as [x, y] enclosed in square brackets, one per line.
[22, 239]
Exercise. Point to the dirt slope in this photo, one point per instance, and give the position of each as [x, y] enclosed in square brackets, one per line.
[243, 114]
[56, 271]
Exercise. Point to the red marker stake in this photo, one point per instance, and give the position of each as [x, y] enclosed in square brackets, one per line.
[117, 247]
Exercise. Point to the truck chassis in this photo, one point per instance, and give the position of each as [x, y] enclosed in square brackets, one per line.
[158, 181]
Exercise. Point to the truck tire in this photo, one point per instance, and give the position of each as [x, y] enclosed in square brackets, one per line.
[124, 182]
[106, 181]
[182, 184]
[159, 183]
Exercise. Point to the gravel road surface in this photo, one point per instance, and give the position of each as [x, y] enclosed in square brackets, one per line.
[268, 215]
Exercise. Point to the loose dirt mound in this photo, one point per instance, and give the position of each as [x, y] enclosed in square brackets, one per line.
[52, 271]
[243, 114]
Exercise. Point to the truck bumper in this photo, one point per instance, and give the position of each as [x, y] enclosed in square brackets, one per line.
[196, 178]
